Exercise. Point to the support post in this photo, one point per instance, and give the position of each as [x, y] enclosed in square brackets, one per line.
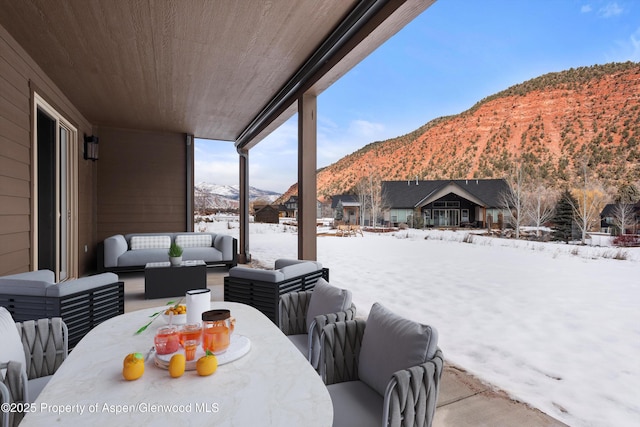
[307, 186]
[244, 256]
[190, 149]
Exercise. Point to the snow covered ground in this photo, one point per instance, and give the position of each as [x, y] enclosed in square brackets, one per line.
[554, 325]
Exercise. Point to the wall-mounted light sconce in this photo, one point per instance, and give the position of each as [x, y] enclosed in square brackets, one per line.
[90, 147]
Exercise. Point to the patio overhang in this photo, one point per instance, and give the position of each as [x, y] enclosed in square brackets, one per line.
[222, 70]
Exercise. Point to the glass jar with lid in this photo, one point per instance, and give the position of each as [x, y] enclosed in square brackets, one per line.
[216, 330]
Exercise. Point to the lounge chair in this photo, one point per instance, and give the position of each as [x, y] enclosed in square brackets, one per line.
[304, 314]
[30, 354]
[382, 371]
[262, 288]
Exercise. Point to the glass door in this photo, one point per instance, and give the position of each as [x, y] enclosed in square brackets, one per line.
[446, 217]
[63, 210]
[55, 192]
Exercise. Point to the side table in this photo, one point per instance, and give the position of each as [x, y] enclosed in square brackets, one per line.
[161, 280]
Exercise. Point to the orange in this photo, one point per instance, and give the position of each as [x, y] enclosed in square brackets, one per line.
[177, 365]
[133, 366]
[207, 364]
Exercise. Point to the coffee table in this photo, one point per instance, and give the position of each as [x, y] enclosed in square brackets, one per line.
[162, 280]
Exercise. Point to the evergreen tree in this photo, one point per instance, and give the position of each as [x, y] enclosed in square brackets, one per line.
[563, 219]
[339, 211]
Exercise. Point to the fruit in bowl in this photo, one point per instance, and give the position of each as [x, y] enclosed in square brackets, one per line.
[176, 314]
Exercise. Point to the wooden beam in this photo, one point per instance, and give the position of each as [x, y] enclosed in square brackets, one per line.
[244, 256]
[307, 161]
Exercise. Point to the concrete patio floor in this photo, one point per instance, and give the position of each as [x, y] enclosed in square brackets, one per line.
[464, 400]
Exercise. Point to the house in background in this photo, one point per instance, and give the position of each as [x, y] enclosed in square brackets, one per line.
[350, 205]
[608, 218]
[445, 203]
[269, 214]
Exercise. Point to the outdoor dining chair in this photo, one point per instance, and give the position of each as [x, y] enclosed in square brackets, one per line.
[303, 314]
[382, 371]
[30, 354]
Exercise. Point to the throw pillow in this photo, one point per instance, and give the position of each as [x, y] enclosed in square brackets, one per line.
[391, 343]
[150, 242]
[11, 348]
[326, 299]
[194, 240]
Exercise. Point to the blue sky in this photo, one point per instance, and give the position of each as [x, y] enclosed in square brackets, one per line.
[450, 57]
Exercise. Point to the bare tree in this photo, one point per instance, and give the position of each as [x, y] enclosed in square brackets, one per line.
[623, 216]
[376, 198]
[591, 199]
[540, 205]
[362, 191]
[513, 199]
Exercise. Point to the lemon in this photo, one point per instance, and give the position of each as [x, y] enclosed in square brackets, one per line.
[207, 364]
[177, 365]
[133, 366]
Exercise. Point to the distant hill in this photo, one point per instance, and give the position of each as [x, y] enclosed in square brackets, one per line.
[548, 124]
[215, 196]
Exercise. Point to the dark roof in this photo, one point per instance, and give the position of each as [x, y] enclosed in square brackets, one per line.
[408, 194]
[350, 198]
[268, 208]
[608, 210]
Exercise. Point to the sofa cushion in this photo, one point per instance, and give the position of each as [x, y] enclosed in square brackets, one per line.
[284, 262]
[29, 283]
[391, 343]
[195, 240]
[355, 404]
[81, 285]
[301, 341]
[300, 269]
[150, 242]
[137, 258]
[209, 254]
[256, 274]
[11, 348]
[326, 299]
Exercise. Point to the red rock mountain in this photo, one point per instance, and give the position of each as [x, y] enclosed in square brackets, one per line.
[548, 125]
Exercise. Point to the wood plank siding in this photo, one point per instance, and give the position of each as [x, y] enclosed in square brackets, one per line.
[142, 182]
[19, 76]
[143, 174]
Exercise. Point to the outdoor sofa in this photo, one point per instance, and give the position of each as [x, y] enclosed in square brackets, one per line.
[262, 288]
[131, 252]
[81, 303]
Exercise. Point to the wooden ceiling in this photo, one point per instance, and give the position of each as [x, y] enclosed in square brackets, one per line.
[202, 67]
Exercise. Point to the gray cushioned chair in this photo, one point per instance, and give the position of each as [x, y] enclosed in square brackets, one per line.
[382, 371]
[4, 398]
[31, 352]
[262, 289]
[304, 314]
[82, 303]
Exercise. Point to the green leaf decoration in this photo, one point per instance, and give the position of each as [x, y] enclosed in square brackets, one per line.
[155, 315]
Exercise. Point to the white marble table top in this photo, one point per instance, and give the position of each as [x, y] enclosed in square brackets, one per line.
[272, 385]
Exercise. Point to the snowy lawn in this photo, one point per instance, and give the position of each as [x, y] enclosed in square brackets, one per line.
[554, 325]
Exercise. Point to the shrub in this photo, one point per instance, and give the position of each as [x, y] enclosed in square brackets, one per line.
[627, 240]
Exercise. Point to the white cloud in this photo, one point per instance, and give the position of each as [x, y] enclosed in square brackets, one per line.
[217, 172]
[626, 50]
[586, 8]
[364, 128]
[611, 9]
[273, 163]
